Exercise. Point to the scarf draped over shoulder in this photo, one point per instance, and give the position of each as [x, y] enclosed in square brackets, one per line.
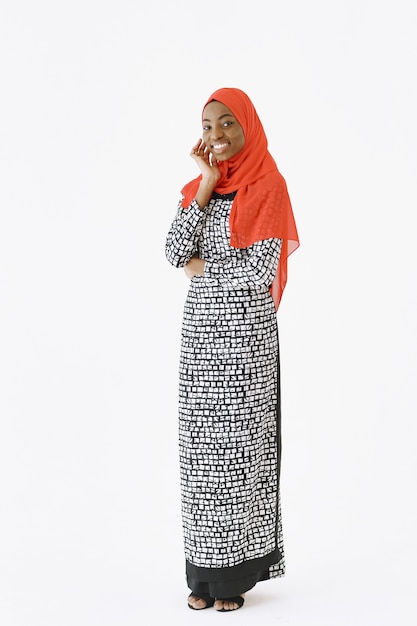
[261, 208]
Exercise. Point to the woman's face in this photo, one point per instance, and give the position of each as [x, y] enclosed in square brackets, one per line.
[222, 133]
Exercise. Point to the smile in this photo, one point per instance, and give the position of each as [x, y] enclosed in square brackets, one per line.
[220, 147]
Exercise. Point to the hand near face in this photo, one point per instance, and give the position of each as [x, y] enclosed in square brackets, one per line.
[205, 161]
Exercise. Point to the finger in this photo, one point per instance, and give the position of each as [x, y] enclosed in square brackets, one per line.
[213, 160]
[202, 149]
[197, 148]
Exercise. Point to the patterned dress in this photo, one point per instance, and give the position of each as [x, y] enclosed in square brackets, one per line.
[229, 405]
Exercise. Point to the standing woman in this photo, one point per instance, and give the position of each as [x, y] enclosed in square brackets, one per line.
[232, 234]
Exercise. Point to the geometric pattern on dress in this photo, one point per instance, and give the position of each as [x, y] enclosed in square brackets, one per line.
[228, 381]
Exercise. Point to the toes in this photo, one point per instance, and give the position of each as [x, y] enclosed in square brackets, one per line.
[227, 605]
[201, 604]
[197, 603]
[224, 605]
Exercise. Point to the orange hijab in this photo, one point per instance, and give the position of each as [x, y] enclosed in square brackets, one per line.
[261, 208]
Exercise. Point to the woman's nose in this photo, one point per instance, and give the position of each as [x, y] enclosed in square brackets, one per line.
[216, 132]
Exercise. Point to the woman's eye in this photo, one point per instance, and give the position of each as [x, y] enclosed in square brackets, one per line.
[205, 128]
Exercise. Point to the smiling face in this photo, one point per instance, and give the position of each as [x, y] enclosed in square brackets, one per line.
[222, 133]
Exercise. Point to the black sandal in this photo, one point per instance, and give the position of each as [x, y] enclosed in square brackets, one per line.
[201, 596]
[236, 599]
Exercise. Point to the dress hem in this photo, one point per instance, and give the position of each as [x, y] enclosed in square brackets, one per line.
[225, 582]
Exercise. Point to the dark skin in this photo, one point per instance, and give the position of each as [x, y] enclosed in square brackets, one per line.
[223, 137]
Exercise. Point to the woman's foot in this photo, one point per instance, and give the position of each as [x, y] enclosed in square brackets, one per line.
[229, 604]
[203, 601]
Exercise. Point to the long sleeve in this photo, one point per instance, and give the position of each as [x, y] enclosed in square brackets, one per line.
[182, 239]
[257, 267]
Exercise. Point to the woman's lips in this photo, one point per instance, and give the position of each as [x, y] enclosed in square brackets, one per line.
[219, 148]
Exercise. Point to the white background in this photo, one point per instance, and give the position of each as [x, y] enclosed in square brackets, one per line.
[100, 104]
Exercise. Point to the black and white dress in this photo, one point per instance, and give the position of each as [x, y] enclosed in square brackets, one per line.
[229, 405]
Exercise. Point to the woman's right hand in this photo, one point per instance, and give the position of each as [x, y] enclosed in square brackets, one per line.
[210, 173]
[206, 162]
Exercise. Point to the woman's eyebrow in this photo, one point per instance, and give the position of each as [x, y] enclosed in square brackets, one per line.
[220, 117]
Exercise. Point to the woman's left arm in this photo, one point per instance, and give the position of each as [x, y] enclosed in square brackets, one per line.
[257, 267]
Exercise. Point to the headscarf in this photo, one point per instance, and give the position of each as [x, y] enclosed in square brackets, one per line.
[261, 208]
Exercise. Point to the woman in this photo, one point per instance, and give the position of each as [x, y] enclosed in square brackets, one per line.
[232, 234]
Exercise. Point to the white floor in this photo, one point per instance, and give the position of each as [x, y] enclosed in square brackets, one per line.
[104, 594]
[90, 531]
[113, 573]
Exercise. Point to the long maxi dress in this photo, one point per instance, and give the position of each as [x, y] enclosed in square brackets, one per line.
[229, 405]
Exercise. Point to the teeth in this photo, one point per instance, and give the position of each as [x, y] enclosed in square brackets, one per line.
[220, 145]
